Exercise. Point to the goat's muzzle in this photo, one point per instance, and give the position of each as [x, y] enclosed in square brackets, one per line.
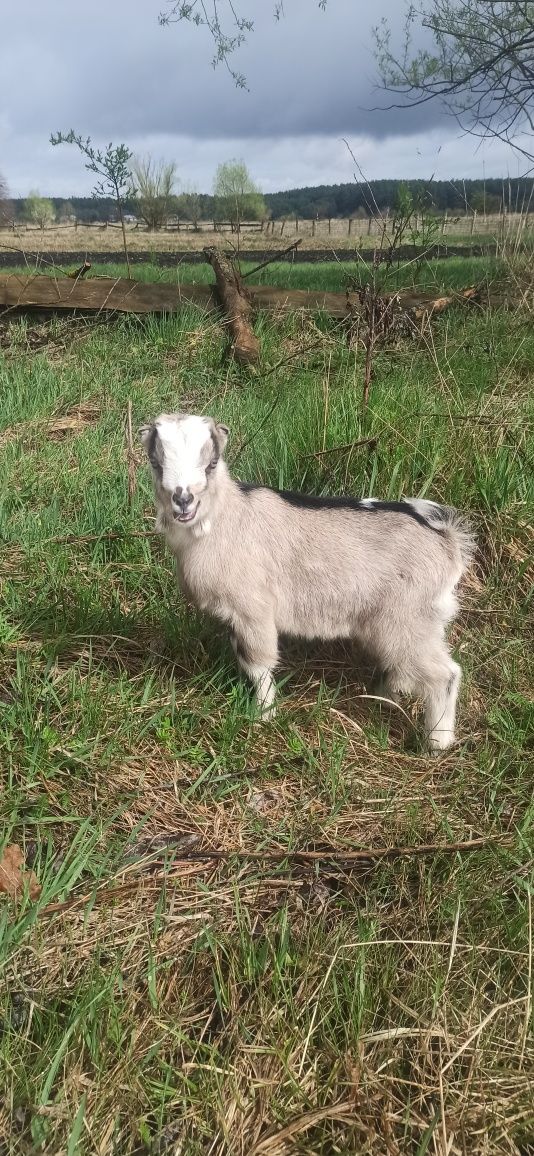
[184, 508]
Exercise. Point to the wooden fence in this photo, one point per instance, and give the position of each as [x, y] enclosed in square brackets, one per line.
[447, 225]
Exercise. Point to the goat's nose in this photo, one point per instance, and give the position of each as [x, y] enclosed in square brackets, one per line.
[182, 498]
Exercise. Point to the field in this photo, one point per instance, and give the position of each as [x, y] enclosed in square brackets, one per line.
[153, 1002]
[364, 233]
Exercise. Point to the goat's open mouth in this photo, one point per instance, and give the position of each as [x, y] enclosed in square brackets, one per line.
[185, 515]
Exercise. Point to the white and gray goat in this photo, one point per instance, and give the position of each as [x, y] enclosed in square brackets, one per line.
[271, 563]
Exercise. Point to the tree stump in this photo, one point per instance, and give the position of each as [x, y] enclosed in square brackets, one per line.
[236, 305]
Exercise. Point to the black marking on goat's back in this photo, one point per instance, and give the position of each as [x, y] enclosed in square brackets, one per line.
[326, 502]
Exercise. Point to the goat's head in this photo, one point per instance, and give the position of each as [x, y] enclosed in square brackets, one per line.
[184, 452]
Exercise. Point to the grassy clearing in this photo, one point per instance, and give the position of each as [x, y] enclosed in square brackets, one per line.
[444, 275]
[152, 1004]
[454, 272]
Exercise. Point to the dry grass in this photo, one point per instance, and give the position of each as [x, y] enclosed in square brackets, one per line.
[316, 235]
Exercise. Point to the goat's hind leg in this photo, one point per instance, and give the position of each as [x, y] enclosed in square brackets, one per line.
[427, 669]
[256, 649]
[441, 695]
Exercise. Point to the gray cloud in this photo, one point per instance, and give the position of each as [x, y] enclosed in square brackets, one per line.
[108, 70]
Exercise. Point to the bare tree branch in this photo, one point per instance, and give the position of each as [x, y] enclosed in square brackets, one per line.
[480, 66]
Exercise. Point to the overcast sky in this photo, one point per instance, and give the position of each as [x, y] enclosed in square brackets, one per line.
[107, 69]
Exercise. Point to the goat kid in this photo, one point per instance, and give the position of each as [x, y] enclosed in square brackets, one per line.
[271, 563]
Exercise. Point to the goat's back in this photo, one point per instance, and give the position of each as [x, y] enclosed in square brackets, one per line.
[323, 567]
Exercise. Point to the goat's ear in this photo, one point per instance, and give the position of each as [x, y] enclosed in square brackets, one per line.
[222, 435]
[145, 432]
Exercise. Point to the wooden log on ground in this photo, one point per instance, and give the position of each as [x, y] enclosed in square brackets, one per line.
[98, 294]
[108, 294]
[236, 305]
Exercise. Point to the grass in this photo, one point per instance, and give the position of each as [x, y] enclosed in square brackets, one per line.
[439, 276]
[453, 273]
[155, 1004]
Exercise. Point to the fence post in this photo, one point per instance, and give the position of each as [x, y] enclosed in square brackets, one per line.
[444, 223]
[329, 224]
[313, 227]
[296, 225]
[369, 222]
[350, 226]
[473, 219]
[282, 227]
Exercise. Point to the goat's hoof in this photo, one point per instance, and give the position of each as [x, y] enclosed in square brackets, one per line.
[438, 744]
[265, 713]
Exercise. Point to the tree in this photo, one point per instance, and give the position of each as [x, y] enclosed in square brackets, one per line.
[480, 65]
[112, 165]
[155, 189]
[226, 26]
[6, 206]
[189, 205]
[67, 213]
[39, 210]
[237, 198]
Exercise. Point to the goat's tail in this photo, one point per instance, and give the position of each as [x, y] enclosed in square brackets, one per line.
[453, 524]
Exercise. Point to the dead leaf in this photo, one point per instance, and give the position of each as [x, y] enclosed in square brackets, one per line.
[264, 801]
[13, 879]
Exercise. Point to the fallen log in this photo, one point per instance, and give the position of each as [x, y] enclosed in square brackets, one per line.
[99, 294]
[118, 294]
[96, 294]
[236, 305]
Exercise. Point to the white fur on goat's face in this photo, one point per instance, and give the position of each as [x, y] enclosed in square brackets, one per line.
[184, 452]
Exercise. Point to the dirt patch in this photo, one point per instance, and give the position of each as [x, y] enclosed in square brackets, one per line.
[42, 262]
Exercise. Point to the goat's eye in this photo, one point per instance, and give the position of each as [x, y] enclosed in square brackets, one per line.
[211, 466]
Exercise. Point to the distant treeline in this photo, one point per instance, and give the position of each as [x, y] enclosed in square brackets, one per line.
[331, 201]
[360, 199]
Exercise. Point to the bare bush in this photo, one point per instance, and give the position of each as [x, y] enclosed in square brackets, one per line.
[155, 182]
[189, 206]
[6, 206]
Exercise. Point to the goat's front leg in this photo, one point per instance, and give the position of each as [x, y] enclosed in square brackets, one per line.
[256, 649]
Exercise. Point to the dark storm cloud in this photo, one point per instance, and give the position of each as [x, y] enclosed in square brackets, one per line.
[109, 68]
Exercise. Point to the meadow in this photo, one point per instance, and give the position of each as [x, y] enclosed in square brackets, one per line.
[331, 276]
[478, 229]
[186, 983]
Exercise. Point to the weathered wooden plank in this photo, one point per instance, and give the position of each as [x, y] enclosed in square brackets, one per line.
[99, 293]
[108, 293]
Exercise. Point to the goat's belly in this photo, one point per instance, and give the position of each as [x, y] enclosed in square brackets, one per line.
[329, 623]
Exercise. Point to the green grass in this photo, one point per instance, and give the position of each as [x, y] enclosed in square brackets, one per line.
[449, 273]
[154, 1005]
